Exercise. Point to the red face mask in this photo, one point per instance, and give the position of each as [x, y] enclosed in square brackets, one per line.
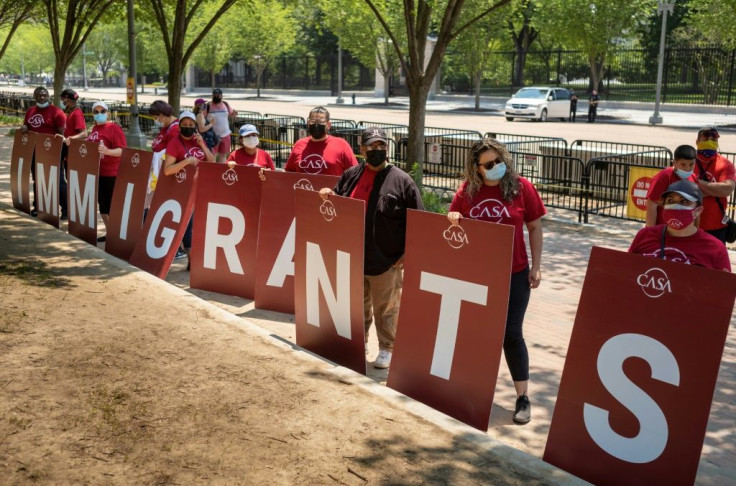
[678, 217]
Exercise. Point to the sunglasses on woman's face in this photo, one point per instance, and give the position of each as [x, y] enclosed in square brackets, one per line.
[98, 112]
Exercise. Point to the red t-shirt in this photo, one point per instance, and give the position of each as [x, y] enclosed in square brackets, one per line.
[489, 205]
[181, 149]
[241, 157]
[165, 135]
[331, 156]
[364, 187]
[113, 137]
[660, 182]
[698, 249]
[718, 170]
[45, 120]
[75, 122]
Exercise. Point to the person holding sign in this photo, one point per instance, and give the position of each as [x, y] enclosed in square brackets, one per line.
[188, 148]
[249, 154]
[76, 128]
[679, 239]
[388, 192]
[112, 141]
[683, 168]
[168, 125]
[494, 192]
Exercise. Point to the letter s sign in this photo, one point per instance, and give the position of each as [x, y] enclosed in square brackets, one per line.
[651, 441]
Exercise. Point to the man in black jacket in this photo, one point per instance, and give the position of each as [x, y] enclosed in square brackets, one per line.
[388, 192]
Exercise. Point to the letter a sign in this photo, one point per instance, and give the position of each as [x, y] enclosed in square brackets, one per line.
[640, 371]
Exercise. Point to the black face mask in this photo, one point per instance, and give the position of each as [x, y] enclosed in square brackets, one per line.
[217, 99]
[375, 157]
[317, 130]
[187, 131]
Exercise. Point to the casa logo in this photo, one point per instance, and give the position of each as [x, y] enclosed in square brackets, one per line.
[230, 177]
[313, 164]
[328, 210]
[455, 236]
[490, 210]
[304, 184]
[654, 282]
[24, 139]
[83, 150]
[181, 176]
[675, 224]
[196, 152]
[35, 121]
[47, 143]
[93, 137]
[671, 255]
[135, 160]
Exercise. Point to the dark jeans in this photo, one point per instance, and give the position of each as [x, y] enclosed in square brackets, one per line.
[592, 112]
[514, 346]
[573, 112]
[62, 182]
[187, 239]
[719, 233]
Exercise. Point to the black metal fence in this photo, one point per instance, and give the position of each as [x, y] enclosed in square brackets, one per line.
[702, 75]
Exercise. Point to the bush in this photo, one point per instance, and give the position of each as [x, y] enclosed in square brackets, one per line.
[434, 200]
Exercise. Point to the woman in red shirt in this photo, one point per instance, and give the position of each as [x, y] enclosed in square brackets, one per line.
[112, 141]
[76, 128]
[249, 153]
[494, 192]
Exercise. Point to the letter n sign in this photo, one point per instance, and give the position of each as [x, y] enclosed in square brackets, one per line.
[640, 371]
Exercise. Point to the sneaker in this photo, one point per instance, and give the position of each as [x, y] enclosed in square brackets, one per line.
[34, 212]
[180, 254]
[383, 360]
[523, 412]
[101, 239]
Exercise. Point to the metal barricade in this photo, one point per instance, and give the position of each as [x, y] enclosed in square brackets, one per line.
[530, 143]
[608, 187]
[655, 155]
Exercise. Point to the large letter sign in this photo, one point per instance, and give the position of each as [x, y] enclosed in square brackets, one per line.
[84, 168]
[274, 286]
[226, 229]
[20, 170]
[641, 369]
[128, 201]
[48, 158]
[453, 314]
[328, 279]
[168, 217]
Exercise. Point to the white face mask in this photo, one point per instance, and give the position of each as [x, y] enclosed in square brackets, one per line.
[250, 142]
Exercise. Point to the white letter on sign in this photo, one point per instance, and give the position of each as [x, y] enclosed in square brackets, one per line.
[20, 180]
[85, 205]
[213, 240]
[284, 265]
[652, 438]
[337, 302]
[126, 211]
[156, 252]
[453, 293]
[48, 195]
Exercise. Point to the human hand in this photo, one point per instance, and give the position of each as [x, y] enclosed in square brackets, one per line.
[262, 174]
[230, 164]
[535, 278]
[454, 217]
[325, 192]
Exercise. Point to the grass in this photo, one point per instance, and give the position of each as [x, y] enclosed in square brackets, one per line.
[30, 272]
[8, 120]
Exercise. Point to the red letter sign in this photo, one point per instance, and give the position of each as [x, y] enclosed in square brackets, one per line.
[20, 170]
[453, 314]
[640, 371]
[84, 167]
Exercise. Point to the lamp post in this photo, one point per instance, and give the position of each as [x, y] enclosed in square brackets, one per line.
[135, 137]
[339, 99]
[663, 9]
[84, 65]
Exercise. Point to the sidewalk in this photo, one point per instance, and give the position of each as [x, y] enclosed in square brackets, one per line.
[549, 321]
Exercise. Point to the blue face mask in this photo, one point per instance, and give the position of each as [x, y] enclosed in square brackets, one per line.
[683, 174]
[42, 105]
[100, 117]
[157, 124]
[496, 172]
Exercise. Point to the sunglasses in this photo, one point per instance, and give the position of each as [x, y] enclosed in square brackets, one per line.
[709, 133]
[99, 112]
[488, 165]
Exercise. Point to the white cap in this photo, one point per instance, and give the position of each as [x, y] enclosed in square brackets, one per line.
[99, 103]
[187, 114]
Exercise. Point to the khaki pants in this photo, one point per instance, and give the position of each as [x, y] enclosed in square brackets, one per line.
[381, 296]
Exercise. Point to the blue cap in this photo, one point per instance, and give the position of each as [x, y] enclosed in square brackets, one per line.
[247, 130]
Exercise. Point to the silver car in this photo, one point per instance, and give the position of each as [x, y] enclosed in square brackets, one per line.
[539, 103]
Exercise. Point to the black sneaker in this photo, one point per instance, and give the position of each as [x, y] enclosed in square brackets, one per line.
[64, 217]
[34, 212]
[180, 254]
[101, 239]
[523, 412]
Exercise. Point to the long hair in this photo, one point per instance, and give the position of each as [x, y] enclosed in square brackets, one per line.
[510, 180]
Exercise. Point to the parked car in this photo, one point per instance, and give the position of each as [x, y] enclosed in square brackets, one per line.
[539, 103]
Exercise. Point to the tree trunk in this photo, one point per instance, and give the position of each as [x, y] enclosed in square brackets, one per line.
[520, 62]
[386, 88]
[212, 78]
[174, 84]
[59, 74]
[476, 81]
[418, 93]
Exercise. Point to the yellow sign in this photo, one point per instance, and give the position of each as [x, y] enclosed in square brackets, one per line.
[640, 180]
[130, 85]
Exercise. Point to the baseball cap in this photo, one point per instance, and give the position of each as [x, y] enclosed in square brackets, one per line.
[69, 93]
[373, 134]
[100, 103]
[199, 101]
[187, 114]
[687, 189]
[247, 130]
[217, 91]
[710, 131]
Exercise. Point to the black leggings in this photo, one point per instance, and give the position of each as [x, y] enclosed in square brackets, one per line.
[514, 346]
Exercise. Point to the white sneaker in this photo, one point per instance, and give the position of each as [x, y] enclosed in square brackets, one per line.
[383, 360]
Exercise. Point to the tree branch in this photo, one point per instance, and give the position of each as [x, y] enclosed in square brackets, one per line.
[495, 6]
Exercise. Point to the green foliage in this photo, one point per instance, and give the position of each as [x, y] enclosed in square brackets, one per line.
[29, 50]
[714, 20]
[433, 201]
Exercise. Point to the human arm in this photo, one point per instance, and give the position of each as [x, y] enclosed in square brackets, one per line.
[536, 239]
[717, 189]
[203, 124]
[171, 166]
[651, 217]
[208, 155]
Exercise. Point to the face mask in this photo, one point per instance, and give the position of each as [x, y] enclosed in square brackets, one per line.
[317, 130]
[63, 104]
[496, 173]
[42, 105]
[708, 148]
[157, 124]
[375, 157]
[100, 117]
[250, 142]
[187, 131]
[683, 174]
[678, 216]
[217, 99]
